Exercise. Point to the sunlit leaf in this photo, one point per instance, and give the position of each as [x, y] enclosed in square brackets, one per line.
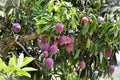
[20, 72]
[50, 6]
[26, 61]
[20, 60]
[12, 61]
[2, 64]
[29, 69]
[73, 22]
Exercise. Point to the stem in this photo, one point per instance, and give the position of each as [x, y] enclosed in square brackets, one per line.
[8, 43]
[9, 76]
[23, 48]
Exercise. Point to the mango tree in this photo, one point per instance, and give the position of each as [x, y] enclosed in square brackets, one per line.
[68, 39]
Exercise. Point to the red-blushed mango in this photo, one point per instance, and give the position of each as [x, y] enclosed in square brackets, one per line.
[45, 54]
[49, 63]
[111, 69]
[16, 27]
[69, 47]
[59, 27]
[108, 53]
[72, 38]
[62, 40]
[44, 39]
[55, 43]
[45, 47]
[39, 43]
[68, 40]
[53, 49]
[82, 65]
[85, 20]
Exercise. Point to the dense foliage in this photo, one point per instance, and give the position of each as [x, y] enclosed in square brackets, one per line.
[68, 39]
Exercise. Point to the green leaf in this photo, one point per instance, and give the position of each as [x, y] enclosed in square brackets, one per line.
[12, 61]
[9, 69]
[29, 69]
[57, 7]
[20, 72]
[115, 8]
[94, 24]
[106, 28]
[2, 3]
[3, 76]
[46, 27]
[20, 60]
[88, 43]
[73, 22]
[2, 64]
[116, 29]
[77, 54]
[85, 28]
[73, 11]
[26, 61]
[2, 13]
[105, 62]
[41, 21]
[51, 6]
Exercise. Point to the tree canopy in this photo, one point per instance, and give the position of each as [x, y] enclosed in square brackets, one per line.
[59, 39]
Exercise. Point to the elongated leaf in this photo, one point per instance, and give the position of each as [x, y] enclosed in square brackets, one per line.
[2, 2]
[106, 28]
[88, 43]
[9, 69]
[2, 76]
[29, 69]
[94, 24]
[41, 21]
[45, 28]
[73, 13]
[20, 72]
[50, 6]
[116, 29]
[57, 8]
[77, 54]
[2, 64]
[85, 28]
[73, 22]
[20, 60]
[115, 8]
[26, 61]
[12, 61]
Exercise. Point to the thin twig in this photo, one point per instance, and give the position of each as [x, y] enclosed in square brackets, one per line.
[23, 48]
[16, 38]
[36, 63]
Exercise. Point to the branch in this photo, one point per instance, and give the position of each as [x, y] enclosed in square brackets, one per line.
[23, 48]
[9, 42]
[26, 38]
